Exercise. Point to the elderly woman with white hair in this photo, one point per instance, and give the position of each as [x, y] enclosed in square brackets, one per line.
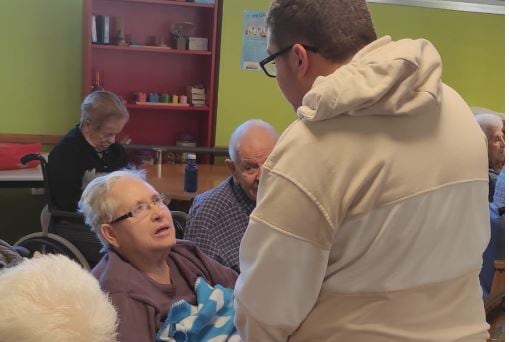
[145, 269]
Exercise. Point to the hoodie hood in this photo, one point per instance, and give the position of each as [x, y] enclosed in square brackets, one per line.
[384, 78]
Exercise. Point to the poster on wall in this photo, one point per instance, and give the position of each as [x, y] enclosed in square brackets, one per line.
[254, 39]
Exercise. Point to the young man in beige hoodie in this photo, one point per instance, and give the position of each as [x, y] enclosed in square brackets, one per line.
[371, 215]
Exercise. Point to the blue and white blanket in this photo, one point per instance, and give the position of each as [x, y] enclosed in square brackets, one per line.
[213, 319]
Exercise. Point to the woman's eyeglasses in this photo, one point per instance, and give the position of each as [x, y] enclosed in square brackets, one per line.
[142, 208]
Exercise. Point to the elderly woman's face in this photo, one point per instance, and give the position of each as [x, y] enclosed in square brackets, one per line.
[151, 229]
[102, 137]
[496, 148]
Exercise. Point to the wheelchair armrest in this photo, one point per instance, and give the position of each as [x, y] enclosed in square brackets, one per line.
[66, 214]
[31, 157]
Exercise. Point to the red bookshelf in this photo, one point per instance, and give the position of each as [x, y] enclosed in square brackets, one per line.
[127, 69]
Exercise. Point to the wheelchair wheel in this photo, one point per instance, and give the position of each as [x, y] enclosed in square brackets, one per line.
[52, 244]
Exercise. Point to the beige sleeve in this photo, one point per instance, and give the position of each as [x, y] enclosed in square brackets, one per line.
[283, 259]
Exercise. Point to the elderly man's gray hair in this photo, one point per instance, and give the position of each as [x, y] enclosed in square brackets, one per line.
[233, 146]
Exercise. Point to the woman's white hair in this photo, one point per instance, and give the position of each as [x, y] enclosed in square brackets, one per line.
[53, 299]
[97, 206]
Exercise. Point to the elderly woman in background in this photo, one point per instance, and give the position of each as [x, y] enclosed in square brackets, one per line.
[493, 127]
[145, 269]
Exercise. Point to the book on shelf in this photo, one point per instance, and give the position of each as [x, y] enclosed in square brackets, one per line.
[106, 32]
[196, 90]
[198, 43]
[94, 30]
[196, 95]
[102, 24]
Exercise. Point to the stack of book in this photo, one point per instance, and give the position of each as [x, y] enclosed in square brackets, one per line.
[196, 95]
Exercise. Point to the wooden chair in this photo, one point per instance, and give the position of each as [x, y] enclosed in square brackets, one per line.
[494, 305]
[499, 277]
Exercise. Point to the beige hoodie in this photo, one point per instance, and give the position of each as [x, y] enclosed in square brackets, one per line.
[371, 215]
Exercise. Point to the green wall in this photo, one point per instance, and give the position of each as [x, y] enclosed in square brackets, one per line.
[40, 65]
[40, 88]
[244, 94]
[471, 45]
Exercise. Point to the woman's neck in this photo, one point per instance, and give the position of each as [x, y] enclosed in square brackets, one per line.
[160, 273]
[155, 266]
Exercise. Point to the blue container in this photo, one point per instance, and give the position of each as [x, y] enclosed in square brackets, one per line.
[153, 97]
[191, 174]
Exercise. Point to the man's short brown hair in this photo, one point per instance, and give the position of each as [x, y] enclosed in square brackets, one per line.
[338, 28]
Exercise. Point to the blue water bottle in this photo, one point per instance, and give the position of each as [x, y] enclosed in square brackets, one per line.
[191, 174]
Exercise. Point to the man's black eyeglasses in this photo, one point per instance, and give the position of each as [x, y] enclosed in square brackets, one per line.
[269, 66]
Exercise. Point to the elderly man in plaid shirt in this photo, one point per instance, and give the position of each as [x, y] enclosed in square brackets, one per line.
[218, 218]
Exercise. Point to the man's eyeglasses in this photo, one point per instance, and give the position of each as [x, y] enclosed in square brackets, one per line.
[142, 209]
[269, 65]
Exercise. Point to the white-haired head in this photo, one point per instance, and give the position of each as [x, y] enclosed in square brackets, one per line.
[53, 299]
[97, 206]
[247, 128]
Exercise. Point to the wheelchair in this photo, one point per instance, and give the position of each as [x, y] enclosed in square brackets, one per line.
[67, 234]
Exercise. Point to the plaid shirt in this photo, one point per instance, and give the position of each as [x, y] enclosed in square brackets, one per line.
[217, 221]
[499, 195]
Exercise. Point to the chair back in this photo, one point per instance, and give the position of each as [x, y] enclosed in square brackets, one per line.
[179, 222]
[44, 167]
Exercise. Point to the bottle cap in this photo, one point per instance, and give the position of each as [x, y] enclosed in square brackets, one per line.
[191, 156]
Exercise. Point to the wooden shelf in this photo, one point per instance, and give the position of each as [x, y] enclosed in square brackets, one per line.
[146, 48]
[167, 108]
[126, 69]
[169, 3]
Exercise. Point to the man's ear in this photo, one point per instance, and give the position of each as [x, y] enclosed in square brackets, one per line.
[300, 59]
[231, 166]
[109, 234]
